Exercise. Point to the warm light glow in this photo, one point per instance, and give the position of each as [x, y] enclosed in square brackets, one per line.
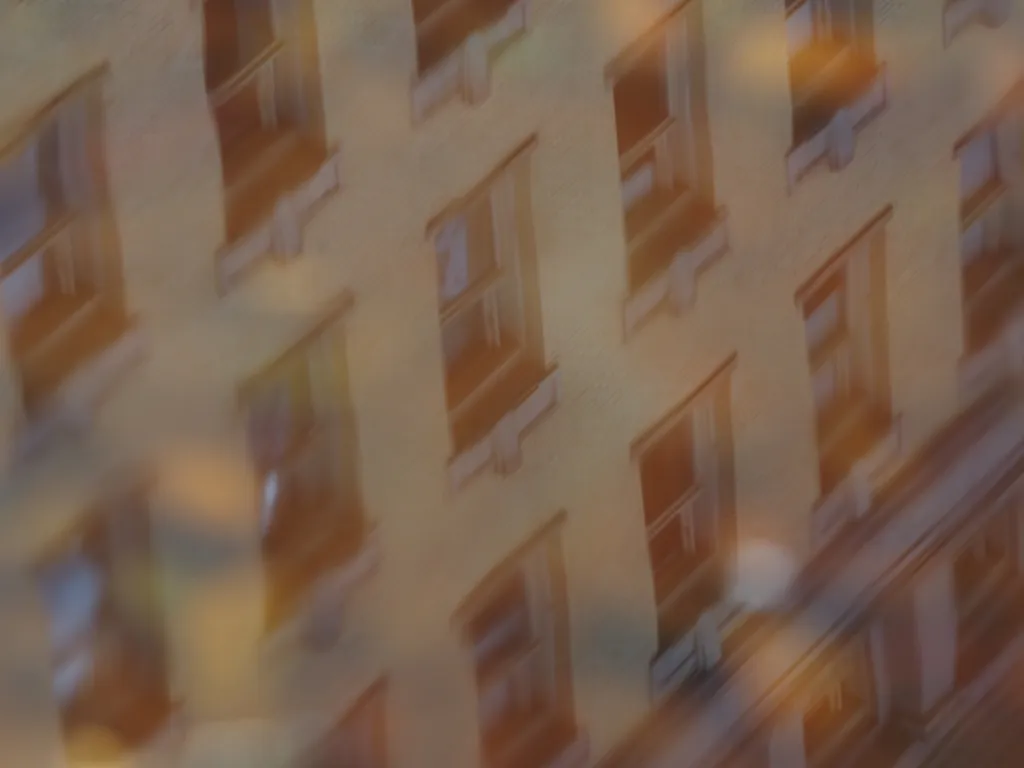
[763, 573]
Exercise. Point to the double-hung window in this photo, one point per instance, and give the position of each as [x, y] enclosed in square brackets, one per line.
[61, 293]
[992, 267]
[304, 451]
[832, 70]
[100, 593]
[987, 588]
[839, 705]
[664, 148]
[263, 85]
[685, 465]
[489, 306]
[845, 322]
[515, 627]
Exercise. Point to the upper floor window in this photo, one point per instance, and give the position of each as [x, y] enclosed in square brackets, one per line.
[489, 305]
[359, 739]
[986, 589]
[845, 321]
[455, 42]
[303, 444]
[61, 293]
[101, 596]
[839, 706]
[686, 480]
[516, 627]
[665, 162]
[263, 84]
[835, 82]
[991, 238]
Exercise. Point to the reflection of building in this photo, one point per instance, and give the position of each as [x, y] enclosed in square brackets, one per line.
[365, 356]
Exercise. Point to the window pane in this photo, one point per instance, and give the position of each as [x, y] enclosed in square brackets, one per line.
[800, 25]
[977, 166]
[466, 251]
[824, 321]
[465, 337]
[502, 629]
[667, 470]
[235, 32]
[639, 183]
[641, 98]
[22, 204]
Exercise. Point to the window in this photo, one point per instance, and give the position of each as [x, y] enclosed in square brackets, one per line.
[303, 446]
[686, 484]
[455, 42]
[663, 145]
[833, 74]
[263, 85]
[992, 270]
[515, 626]
[100, 594]
[845, 326]
[489, 304]
[60, 263]
[986, 590]
[359, 739]
[840, 705]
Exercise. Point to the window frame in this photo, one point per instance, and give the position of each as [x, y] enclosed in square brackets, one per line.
[68, 132]
[298, 150]
[103, 524]
[369, 713]
[539, 562]
[710, 497]
[333, 439]
[859, 268]
[500, 387]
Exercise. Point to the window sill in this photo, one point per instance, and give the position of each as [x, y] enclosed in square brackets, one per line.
[74, 402]
[853, 497]
[671, 667]
[500, 444]
[834, 141]
[689, 251]
[960, 14]
[466, 71]
[999, 362]
[281, 234]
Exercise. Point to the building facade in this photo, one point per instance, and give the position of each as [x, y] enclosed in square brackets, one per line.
[405, 383]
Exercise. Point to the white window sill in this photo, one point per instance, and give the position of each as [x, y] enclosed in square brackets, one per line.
[999, 362]
[676, 664]
[466, 71]
[960, 14]
[279, 233]
[835, 141]
[501, 446]
[78, 397]
[853, 497]
[676, 286]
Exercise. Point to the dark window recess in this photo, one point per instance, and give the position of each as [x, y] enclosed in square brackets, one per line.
[444, 25]
[834, 716]
[858, 436]
[994, 287]
[502, 630]
[235, 32]
[681, 228]
[677, 618]
[309, 523]
[816, 100]
[107, 633]
[641, 98]
[667, 470]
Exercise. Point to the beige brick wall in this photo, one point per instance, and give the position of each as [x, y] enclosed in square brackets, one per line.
[179, 411]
